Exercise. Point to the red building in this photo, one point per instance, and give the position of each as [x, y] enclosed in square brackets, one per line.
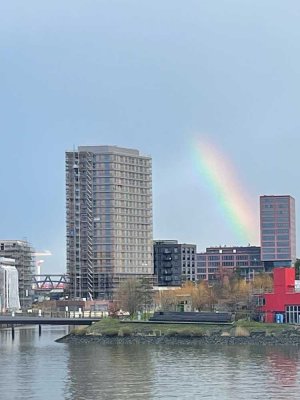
[284, 303]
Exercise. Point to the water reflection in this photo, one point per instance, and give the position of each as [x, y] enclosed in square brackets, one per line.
[34, 367]
[109, 372]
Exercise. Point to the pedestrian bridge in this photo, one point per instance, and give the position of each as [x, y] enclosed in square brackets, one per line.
[19, 320]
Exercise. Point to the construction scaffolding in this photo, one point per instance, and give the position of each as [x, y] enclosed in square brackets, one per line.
[22, 252]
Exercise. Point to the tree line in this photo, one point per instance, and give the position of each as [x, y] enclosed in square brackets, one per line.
[231, 293]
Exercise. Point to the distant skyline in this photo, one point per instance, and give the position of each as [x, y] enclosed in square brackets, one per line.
[151, 76]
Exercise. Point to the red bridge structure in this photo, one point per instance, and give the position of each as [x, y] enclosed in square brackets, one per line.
[50, 282]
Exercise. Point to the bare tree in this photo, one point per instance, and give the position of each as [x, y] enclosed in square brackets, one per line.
[201, 296]
[167, 300]
[262, 282]
[134, 295]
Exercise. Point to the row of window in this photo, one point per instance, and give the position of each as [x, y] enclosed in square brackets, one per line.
[122, 159]
[272, 256]
[274, 212]
[269, 250]
[275, 244]
[274, 231]
[273, 237]
[273, 225]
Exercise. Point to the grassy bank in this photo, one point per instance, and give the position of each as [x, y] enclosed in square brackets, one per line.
[112, 327]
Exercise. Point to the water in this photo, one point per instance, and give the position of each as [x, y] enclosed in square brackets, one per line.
[34, 367]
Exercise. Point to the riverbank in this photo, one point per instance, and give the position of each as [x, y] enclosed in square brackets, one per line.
[110, 331]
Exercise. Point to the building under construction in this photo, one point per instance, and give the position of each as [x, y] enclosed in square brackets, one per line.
[23, 254]
[109, 219]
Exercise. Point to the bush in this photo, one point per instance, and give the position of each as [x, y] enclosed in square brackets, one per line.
[241, 332]
[187, 333]
[225, 333]
[110, 332]
[124, 332]
[172, 333]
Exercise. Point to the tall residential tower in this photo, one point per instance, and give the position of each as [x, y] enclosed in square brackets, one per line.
[109, 218]
[277, 231]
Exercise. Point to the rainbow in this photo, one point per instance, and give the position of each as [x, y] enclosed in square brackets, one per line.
[222, 181]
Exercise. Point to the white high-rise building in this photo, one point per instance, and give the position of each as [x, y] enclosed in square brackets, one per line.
[109, 218]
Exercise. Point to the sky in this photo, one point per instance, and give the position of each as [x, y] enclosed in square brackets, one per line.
[158, 76]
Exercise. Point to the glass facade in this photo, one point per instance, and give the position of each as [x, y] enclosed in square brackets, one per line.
[277, 228]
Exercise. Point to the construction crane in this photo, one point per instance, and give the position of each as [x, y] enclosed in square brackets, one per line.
[42, 253]
[39, 262]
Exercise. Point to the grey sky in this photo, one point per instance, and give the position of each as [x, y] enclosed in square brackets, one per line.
[150, 75]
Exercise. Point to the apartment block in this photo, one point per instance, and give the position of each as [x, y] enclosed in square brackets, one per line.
[109, 218]
[23, 254]
[277, 231]
[174, 262]
[216, 261]
[9, 285]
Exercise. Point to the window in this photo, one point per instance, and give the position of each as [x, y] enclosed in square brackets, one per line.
[279, 231]
[268, 225]
[212, 258]
[268, 237]
[292, 314]
[272, 244]
[283, 237]
[242, 264]
[261, 301]
[283, 256]
[242, 257]
[270, 256]
[283, 244]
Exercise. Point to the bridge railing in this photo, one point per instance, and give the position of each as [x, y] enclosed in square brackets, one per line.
[57, 314]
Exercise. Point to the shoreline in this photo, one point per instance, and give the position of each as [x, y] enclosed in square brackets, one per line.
[255, 338]
[111, 331]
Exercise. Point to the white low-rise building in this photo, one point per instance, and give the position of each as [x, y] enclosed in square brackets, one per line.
[9, 286]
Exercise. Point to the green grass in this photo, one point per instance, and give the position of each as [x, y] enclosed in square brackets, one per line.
[109, 325]
[113, 327]
[253, 326]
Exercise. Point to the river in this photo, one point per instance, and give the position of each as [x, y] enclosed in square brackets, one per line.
[38, 368]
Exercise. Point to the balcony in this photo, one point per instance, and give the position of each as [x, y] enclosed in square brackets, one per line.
[166, 251]
[167, 272]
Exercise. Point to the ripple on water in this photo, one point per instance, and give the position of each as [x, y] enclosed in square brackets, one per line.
[38, 368]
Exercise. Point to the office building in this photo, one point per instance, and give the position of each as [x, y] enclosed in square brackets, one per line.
[9, 285]
[277, 231]
[23, 254]
[109, 218]
[174, 262]
[223, 260]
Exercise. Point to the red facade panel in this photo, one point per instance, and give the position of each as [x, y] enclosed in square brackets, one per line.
[283, 295]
